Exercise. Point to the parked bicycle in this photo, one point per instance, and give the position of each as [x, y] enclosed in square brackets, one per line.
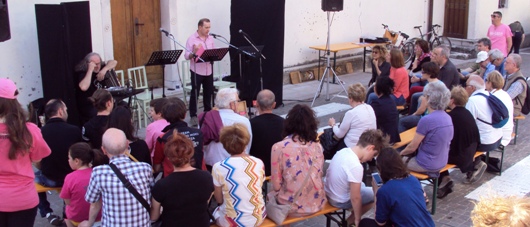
[405, 45]
[435, 39]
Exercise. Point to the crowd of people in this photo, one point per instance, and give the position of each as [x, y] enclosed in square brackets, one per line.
[107, 173]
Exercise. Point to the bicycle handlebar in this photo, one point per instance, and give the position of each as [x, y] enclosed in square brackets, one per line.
[436, 26]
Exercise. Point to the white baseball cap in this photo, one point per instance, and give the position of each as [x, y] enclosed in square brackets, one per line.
[482, 56]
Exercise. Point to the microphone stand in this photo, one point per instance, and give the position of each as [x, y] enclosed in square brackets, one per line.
[238, 49]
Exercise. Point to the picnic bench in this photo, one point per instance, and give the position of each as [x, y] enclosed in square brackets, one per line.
[514, 134]
[42, 188]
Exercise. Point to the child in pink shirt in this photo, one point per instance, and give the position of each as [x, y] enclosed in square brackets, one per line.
[80, 157]
[154, 130]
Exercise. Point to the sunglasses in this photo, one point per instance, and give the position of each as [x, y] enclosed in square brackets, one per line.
[493, 16]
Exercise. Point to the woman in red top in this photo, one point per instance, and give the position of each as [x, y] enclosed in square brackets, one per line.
[20, 144]
[399, 74]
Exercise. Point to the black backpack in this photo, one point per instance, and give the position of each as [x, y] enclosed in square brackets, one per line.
[526, 104]
[499, 115]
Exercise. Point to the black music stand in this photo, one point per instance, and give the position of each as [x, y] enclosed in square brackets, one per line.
[164, 58]
[212, 55]
[256, 55]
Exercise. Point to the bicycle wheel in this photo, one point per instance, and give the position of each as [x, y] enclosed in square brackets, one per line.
[408, 51]
[442, 40]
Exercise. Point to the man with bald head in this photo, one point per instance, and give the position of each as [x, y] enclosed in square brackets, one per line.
[266, 128]
[490, 137]
[515, 84]
[120, 207]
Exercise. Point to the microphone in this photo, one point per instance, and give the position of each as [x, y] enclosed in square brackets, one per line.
[244, 33]
[215, 35]
[164, 31]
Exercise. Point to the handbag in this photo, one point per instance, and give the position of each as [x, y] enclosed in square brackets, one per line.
[329, 143]
[135, 193]
[278, 212]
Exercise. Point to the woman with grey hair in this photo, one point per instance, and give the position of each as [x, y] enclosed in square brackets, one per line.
[433, 134]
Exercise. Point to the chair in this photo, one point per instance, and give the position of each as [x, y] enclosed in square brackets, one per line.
[218, 82]
[139, 79]
[121, 75]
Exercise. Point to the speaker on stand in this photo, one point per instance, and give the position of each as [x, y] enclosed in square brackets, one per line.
[332, 5]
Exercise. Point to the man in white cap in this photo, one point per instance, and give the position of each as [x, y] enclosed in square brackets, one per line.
[485, 65]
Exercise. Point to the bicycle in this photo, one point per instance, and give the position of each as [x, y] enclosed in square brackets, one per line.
[435, 40]
[405, 45]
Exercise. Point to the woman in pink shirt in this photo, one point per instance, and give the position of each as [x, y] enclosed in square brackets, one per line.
[21, 144]
[399, 74]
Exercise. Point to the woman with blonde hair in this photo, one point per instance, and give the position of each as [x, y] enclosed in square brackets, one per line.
[357, 120]
[499, 210]
[21, 143]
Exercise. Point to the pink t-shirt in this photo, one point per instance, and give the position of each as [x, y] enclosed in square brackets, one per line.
[153, 131]
[74, 189]
[498, 36]
[401, 81]
[17, 189]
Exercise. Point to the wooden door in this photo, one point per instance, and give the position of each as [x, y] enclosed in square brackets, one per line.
[135, 34]
[455, 18]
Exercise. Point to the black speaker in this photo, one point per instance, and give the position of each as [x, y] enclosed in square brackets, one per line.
[5, 32]
[332, 5]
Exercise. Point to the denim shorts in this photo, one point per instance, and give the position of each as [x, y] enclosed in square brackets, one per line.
[367, 196]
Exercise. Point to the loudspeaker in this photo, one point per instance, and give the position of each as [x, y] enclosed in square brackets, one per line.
[5, 32]
[332, 5]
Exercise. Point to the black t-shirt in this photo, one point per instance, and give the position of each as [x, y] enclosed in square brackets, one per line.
[266, 131]
[93, 130]
[184, 198]
[85, 107]
[140, 151]
[59, 135]
[194, 134]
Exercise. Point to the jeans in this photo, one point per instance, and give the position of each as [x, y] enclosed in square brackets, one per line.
[367, 196]
[44, 205]
[207, 93]
[489, 147]
[408, 122]
[415, 102]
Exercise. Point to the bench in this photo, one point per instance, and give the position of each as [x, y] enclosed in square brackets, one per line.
[400, 107]
[515, 132]
[406, 138]
[327, 210]
[42, 188]
[434, 180]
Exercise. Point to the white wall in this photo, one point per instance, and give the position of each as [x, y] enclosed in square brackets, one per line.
[306, 24]
[480, 11]
[19, 58]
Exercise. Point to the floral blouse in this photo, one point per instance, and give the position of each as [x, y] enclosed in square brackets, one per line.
[290, 163]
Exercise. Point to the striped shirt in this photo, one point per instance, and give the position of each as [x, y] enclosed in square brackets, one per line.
[120, 207]
[241, 180]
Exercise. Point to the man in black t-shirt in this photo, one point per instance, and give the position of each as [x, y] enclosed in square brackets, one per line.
[174, 112]
[266, 129]
[59, 135]
[90, 71]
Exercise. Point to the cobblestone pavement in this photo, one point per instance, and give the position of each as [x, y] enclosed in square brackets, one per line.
[454, 210]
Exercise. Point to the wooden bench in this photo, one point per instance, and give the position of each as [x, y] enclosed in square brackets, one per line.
[434, 180]
[514, 134]
[327, 210]
[42, 188]
[400, 107]
[406, 138]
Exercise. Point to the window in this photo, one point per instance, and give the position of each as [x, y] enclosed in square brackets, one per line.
[502, 4]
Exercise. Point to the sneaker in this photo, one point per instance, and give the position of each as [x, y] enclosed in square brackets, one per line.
[481, 167]
[445, 190]
[54, 219]
[194, 121]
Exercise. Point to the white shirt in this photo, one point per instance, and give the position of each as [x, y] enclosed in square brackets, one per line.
[344, 168]
[508, 127]
[355, 122]
[215, 152]
[479, 108]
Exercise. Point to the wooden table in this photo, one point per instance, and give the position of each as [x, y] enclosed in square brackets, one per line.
[336, 47]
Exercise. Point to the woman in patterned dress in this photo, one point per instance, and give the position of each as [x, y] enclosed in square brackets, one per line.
[296, 157]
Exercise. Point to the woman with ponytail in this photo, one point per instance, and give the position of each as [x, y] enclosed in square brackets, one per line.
[82, 158]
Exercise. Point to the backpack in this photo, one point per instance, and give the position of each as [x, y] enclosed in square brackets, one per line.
[526, 104]
[499, 115]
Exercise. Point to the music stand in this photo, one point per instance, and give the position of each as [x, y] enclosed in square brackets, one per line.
[164, 58]
[254, 54]
[212, 55]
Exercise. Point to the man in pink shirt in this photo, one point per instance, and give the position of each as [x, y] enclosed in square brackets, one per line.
[201, 72]
[500, 34]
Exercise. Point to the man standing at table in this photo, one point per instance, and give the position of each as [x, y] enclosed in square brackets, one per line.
[201, 72]
[500, 34]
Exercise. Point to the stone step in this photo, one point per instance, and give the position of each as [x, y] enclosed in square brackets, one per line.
[461, 55]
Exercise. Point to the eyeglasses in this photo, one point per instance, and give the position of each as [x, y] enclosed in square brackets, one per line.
[493, 16]
[375, 52]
